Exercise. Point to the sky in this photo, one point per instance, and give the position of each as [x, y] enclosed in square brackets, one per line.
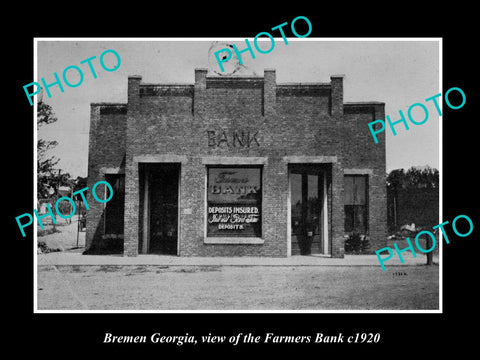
[399, 73]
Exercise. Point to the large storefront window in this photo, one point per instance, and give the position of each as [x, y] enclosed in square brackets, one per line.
[356, 204]
[234, 201]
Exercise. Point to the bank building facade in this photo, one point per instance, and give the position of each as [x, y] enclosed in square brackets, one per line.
[236, 165]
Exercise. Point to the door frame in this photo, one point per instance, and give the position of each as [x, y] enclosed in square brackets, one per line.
[146, 204]
[324, 214]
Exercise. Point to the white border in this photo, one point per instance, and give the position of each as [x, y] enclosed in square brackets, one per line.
[35, 170]
[412, 39]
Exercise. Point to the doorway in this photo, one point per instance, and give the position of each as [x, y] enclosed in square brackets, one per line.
[160, 208]
[309, 209]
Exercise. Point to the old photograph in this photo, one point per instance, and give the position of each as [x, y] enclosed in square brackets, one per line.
[285, 174]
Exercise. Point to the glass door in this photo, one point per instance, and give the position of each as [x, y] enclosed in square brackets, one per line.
[306, 209]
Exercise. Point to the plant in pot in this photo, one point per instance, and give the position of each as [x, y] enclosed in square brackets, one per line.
[305, 242]
[357, 243]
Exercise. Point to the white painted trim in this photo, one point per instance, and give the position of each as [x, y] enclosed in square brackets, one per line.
[309, 159]
[146, 213]
[112, 171]
[326, 242]
[160, 158]
[205, 203]
[262, 209]
[233, 240]
[289, 216]
[358, 171]
[324, 220]
[104, 205]
[146, 208]
[179, 194]
[234, 160]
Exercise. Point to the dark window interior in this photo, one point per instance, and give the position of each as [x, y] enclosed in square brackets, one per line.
[356, 203]
[114, 209]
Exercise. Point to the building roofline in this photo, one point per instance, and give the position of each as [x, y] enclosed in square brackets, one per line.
[306, 84]
[166, 84]
[365, 103]
[108, 104]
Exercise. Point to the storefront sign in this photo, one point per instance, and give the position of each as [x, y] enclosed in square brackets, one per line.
[233, 217]
[235, 138]
[234, 201]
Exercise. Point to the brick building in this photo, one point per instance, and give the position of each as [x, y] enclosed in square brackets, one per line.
[236, 166]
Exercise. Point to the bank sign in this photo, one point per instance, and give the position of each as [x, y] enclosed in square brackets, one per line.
[234, 201]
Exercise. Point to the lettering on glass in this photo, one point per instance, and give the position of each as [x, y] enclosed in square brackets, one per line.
[234, 201]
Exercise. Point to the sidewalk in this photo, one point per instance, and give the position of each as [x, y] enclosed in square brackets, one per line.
[76, 258]
[66, 240]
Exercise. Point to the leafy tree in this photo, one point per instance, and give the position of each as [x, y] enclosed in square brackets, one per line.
[413, 178]
[396, 179]
[48, 177]
[79, 183]
[423, 178]
[411, 196]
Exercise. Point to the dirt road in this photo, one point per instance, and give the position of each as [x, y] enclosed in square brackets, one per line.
[149, 287]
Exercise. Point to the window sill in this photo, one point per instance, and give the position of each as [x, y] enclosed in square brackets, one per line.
[233, 240]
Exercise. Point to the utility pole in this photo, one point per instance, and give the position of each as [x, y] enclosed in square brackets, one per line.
[428, 246]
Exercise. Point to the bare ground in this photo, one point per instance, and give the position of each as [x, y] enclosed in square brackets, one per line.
[150, 287]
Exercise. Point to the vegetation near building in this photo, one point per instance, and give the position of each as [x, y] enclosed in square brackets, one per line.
[412, 197]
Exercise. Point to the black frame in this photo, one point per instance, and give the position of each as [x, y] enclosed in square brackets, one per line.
[258, 231]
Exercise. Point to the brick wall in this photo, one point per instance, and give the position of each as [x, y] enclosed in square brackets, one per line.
[106, 154]
[361, 153]
[171, 123]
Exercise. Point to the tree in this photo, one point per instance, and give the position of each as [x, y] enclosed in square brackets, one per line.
[48, 177]
[417, 178]
[396, 179]
[79, 183]
[412, 196]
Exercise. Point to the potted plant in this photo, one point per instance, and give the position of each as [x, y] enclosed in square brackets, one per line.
[305, 242]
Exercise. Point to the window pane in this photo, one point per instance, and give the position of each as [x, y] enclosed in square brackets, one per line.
[234, 200]
[349, 216]
[227, 185]
[349, 194]
[360, 219]
[296, 201]
[356, 207]
[360, 189]
[312, 187]
[313, 205]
